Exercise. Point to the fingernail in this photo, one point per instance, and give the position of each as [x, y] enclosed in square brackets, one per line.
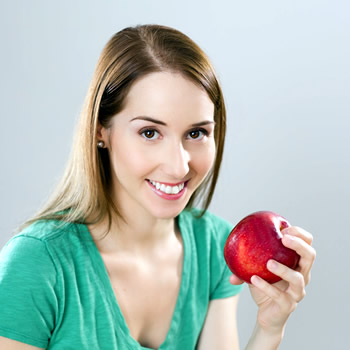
[255, 280]
[272, 265]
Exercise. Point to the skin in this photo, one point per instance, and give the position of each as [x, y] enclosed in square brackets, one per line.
[147, 250]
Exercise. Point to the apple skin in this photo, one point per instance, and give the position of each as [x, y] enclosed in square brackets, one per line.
[253, 242]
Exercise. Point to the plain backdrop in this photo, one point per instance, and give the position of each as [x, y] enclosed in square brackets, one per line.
[285, 72]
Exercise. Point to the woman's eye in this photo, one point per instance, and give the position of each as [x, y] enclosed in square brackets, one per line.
[149, 134]
[198, 134]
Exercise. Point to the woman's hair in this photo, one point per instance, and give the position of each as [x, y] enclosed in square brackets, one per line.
[83, 194]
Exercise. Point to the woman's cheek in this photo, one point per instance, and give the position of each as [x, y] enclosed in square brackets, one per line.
[204, 158]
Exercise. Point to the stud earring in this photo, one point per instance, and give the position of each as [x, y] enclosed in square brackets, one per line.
[100, 144]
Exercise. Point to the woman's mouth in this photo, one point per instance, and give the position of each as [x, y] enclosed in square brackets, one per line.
[166, 190]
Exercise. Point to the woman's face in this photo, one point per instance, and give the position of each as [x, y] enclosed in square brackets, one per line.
[161, 146]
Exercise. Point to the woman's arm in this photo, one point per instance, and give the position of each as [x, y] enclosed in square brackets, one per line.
[220, 327]
[10, 344]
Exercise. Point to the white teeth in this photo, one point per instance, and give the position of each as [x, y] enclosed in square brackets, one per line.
[168, 189]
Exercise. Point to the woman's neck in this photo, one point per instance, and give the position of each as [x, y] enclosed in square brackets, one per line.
[133, 234]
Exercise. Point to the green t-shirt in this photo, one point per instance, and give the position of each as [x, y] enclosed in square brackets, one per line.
[55, 291]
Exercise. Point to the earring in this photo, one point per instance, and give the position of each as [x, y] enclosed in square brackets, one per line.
[100, 144]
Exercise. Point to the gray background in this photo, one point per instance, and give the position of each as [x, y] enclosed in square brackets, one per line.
[284, 68]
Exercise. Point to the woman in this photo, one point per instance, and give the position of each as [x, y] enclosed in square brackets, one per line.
[120, 258]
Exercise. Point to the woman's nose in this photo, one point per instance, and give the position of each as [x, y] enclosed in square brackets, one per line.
[176, 161]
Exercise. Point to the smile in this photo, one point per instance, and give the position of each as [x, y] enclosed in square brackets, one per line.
[165, 188]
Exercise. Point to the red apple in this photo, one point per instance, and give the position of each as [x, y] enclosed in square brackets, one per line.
[253, 241]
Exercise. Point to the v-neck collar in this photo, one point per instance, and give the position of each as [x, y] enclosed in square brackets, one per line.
[107, 287]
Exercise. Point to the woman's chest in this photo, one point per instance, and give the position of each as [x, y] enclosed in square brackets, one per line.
[146, 293]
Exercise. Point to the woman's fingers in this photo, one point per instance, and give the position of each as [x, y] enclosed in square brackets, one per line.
[299, 232]
[305, 250]
[286, 303]
[235, 280]
[294, 278]
[276, 301]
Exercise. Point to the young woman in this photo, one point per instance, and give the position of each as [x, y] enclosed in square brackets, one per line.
[120, 258]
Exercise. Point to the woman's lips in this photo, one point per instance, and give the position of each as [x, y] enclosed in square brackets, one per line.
[168, 191]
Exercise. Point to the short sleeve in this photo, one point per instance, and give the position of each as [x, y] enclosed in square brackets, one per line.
[28, 295]
[225, 289]
[220, 276]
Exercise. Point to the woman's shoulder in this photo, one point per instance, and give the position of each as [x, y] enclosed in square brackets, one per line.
[40, 238]
[208, 230]
[208, 234]
[46, 230]
[39, 249]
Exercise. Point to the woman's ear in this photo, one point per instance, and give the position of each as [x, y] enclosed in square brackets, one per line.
[101, 133]
[102, 136]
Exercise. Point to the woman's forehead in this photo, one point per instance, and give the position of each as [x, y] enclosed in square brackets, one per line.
[162, 91]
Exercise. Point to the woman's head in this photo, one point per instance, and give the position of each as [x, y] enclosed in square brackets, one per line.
[160, 146]
[130, 55]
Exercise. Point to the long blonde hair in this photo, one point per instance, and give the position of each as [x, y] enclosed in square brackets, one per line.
[84, 189]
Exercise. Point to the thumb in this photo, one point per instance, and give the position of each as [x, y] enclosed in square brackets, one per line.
[235, 280]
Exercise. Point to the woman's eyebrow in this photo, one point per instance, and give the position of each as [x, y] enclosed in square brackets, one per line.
[204, 122]
[156, 121]
[148, 119]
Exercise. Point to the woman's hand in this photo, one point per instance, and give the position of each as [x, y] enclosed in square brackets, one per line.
[277, 301]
